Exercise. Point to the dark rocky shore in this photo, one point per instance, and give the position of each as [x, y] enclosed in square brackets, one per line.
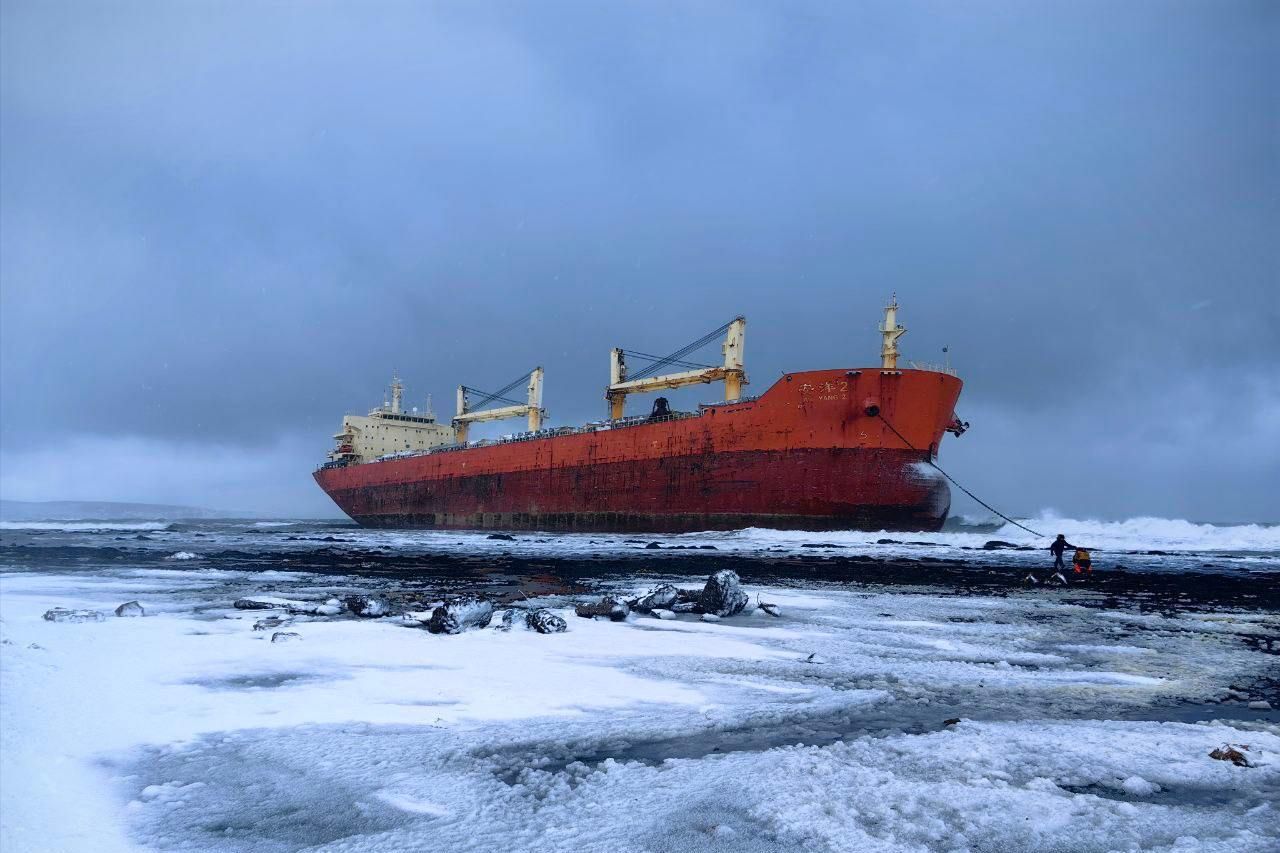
[1111, 585]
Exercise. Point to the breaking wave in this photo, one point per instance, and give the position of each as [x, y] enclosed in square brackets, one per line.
[1141, 534]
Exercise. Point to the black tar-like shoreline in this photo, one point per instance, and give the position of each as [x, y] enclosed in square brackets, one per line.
[1148, 589]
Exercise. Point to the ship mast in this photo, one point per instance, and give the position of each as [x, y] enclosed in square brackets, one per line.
[397, 394]
[891, 332]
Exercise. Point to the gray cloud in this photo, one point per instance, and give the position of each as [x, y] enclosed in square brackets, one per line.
[221, 226]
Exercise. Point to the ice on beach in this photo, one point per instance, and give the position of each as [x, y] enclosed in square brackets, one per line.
[822, 729]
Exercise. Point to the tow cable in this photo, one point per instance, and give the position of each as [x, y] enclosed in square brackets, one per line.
[953, 479]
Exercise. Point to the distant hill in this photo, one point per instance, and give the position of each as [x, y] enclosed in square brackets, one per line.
[108, 511]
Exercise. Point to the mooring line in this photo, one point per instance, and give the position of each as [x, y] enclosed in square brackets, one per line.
[953, 479]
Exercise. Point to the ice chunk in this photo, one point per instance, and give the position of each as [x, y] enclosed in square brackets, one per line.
[331, 607]
[183, 555]
[63, 614]
[260, 603]
[130, 608]
[1139, 787]
[285, 636]
[663, 614]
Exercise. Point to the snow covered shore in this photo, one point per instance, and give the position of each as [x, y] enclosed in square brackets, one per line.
[830, 728]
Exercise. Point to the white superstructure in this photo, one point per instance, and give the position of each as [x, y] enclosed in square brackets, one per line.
[388, 429]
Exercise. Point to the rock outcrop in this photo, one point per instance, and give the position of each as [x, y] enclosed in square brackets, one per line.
[545, 622]
[366, 606]
[661, 598]
[614, 608]
[723, 595]
[459, 614]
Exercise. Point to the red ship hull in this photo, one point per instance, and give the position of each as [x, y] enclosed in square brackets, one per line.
[807, 454]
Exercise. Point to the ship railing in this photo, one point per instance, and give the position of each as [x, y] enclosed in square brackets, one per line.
[933, 368]
[552, 432]
[729, 402]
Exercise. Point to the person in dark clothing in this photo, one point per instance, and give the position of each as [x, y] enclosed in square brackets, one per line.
[1057, 548]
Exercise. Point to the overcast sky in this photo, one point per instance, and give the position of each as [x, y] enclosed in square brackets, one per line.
[223, 225]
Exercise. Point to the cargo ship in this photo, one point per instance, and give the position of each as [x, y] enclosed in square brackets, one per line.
[845, 448]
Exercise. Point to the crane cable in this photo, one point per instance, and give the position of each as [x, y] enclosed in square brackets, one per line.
[956, 484]
[497, 395]
[683, 351]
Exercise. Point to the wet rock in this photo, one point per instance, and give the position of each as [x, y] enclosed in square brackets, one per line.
[63, 614]
[507, 621]
[1230, 752]
[659, 599]
[1000, 545]
[653, 546]
[951, 722]
[285, 636]
[772, 609]
[459, 614]
[614, 608]
[269, 622]
[723, 595]
[545, 622]
[686, 607]
[130, 608]
[822, 545]
[366, 605]
[888, 542]
[504, 537]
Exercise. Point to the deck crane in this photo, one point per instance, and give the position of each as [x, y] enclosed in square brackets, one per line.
[732, 372]
[470, 412]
